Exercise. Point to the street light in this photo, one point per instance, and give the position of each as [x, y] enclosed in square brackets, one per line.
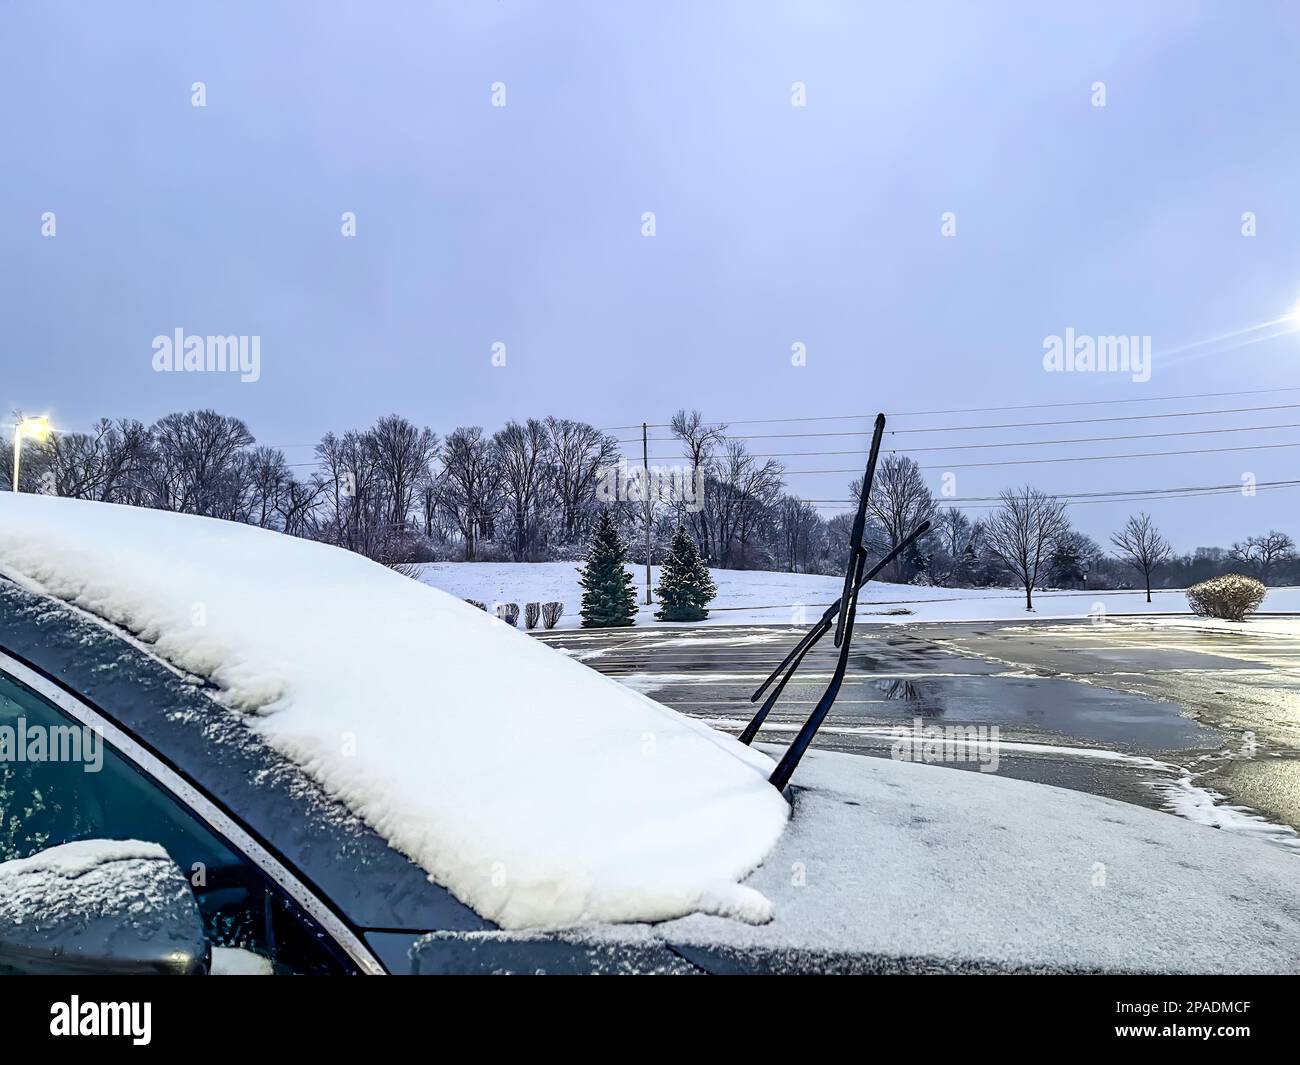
[36, 428]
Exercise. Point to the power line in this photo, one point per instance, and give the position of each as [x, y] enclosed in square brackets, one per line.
[1001, 425]
[1066, 458]
[1100, 458]
[1107, 492]
[965, 410]
[1018, 443]
[1070, 501]
[1094, 421]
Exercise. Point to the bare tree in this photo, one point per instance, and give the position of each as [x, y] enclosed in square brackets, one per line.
[471, 486]
[354, 514]
[699, 443]
[1022, 533]
[899, 502]
[956, 536]
[195, 467]
[297, 506]
[743, 493]
[1140, 545]
[266, 479]
[1263, 553]
[403, 455]
[522, 453]
[798, 523]
[578, 452]
[104, 464]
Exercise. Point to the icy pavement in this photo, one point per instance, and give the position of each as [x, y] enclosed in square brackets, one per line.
[1202, 724]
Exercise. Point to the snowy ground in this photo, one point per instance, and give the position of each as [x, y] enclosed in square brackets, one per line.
[765, 597]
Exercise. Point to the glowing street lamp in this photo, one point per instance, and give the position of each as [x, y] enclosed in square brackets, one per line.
[37, 429]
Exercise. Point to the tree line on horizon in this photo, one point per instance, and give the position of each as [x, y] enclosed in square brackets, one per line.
[529, 492]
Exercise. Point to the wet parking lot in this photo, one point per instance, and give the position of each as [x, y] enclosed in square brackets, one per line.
[1202, 723]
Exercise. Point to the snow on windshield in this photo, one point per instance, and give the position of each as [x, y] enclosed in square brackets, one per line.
[539, 792]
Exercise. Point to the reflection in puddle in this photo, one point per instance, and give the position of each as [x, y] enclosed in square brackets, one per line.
[898, 689]
[920, 697]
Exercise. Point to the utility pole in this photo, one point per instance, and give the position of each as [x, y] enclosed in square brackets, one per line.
[649, 505]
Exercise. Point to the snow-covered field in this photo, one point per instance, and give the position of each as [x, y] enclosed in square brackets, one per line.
[761, 596]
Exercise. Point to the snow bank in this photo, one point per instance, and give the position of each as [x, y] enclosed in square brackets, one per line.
[539, 792]
[765, 597]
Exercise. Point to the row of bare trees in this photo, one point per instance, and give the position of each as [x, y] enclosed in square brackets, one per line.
[386, 491]
[398, 492]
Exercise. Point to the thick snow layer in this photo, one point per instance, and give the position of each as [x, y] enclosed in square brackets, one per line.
[761, 596]
[536, 790]
[892, 859]
[78, 858]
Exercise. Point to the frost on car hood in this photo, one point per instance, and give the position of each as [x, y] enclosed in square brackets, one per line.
[536, 790]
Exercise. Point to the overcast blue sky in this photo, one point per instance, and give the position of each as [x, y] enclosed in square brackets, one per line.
[775, 224]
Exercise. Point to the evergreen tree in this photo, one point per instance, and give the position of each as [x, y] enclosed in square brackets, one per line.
[608, 599]
[915, 562]
[685, 587]
[1068, 565]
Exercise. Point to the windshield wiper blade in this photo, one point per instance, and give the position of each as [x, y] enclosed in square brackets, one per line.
[856, 551]
[843, 612]
[812, 636]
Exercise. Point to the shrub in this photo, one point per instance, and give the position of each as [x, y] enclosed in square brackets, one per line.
[531, 611]
[509, 613]
[551, 614]
[478, 603]
[1231, 596]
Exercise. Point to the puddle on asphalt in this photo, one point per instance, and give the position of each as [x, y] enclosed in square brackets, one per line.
[1038, 704]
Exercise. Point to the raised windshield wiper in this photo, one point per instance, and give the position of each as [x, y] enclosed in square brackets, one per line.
[843, 613]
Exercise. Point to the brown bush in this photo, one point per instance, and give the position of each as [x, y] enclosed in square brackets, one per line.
[1230, 597]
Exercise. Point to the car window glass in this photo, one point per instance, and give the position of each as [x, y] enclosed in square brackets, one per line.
[60, 782]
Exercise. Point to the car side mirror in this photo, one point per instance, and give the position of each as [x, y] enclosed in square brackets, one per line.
[100, 906]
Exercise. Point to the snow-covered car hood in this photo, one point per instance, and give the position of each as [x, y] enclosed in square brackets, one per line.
[537, 791]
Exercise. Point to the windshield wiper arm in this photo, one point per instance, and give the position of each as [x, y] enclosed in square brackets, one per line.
[812, 636]
[842, 612]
